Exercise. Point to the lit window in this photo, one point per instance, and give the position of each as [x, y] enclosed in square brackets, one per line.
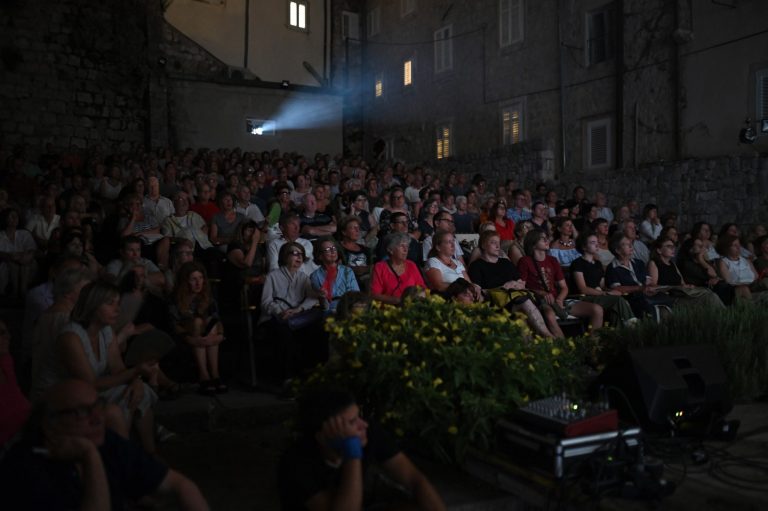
[407, 72]
[443, 49]
[443, 141]
[510, 22]
[379, 87]
[512, 123]
[297, 14]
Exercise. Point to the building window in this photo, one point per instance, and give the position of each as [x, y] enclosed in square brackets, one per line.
[599, 36]
[510, 22]
[407, 7]
[408, 72]
[443, 49]
[374, 21]
[598, 147]
[350, 25]
[761, 95]
[379, 86]
[443, 143]
[512, 123]
[298, 14]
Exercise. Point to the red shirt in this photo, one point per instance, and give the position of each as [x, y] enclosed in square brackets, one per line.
[506, 231]
[385, 282]
[532, 272]
[205, 210]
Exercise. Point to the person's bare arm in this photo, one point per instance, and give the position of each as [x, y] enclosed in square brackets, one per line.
[189, 496]
[402, 470]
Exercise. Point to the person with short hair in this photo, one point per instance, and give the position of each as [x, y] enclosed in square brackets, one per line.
[325, 468]
[391, 277]
[331, 280]
[290, 230]
[130, 255]
[68, 458]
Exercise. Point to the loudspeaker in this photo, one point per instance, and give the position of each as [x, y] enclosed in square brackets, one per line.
[667, 387]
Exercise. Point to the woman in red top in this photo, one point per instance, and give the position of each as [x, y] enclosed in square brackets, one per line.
[394, 275]
[504, 226]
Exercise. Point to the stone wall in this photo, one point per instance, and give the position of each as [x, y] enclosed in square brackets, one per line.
[716, 190]
[73, 73]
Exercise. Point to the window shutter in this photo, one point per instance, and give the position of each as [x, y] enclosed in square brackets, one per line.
[598, 145]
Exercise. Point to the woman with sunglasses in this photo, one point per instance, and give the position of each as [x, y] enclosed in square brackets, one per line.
[288, 294]
[331, 280]
[396, 273]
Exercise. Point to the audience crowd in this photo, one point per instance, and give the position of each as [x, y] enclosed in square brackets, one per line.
[127, 265]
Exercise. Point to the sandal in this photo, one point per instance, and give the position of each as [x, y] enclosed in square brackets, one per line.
[219, 386]
[207, 388]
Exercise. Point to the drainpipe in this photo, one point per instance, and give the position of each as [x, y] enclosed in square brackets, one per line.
[561, 49]
[619, 160]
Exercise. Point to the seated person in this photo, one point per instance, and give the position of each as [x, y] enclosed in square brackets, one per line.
[130, 256]
[563, 246]
[736, 269]
[760, 246]
[399, 223]
[314, 223]
[697, 270]
[17, 254]
[354, 254]
[224, 223]
[135, 221]
[492, 271]
[184, 224]
[331, 280]
[287, 293]
[15, 404]
[588, 277]
[443, 222]
[663, 271]
[628, 276]
[325, 468]
[195, 315]
[68, 459]
[394, 275]
[442, 267]
[542, 274]
[290, 228]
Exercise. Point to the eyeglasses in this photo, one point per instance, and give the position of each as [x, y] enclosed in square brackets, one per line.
[296, 253]
[78, 413]
[398, 196]
[329, 249]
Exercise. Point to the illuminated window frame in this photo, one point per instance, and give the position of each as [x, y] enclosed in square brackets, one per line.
[512, 123]
[408, 69]
[298, 15]
[443, 140]
[378, 86]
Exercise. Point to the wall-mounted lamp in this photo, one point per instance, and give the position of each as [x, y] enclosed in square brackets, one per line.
[747, 134]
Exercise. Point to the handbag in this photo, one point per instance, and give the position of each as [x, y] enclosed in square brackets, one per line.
[502, 297]
[302, 319]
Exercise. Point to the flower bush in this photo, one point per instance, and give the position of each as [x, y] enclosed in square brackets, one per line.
[444, 373]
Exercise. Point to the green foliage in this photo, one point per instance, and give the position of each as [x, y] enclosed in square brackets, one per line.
[739, 334]
[444, 373]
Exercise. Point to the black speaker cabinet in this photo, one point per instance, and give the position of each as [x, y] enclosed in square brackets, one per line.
[667, 386]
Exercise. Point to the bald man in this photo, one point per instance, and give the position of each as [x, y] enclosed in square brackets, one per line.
[69, 460]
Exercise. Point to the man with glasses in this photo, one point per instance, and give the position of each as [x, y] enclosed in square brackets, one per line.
[69, 460]
[399, 223]
[443, 222]
[290, 228]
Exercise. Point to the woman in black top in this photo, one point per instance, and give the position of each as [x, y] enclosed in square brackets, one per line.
[589, 280]
[493, 272]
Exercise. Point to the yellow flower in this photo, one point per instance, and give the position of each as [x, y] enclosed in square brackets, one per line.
[437, 381]
[395, 344]
[485, 330]
[555, 351]
[571, 344]
[355, 364]
[511, 355]
[531, 368]
[456, 339]
[409, 384]
[496, 346]
[399, 432]
[406, 373]
[453, 430]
